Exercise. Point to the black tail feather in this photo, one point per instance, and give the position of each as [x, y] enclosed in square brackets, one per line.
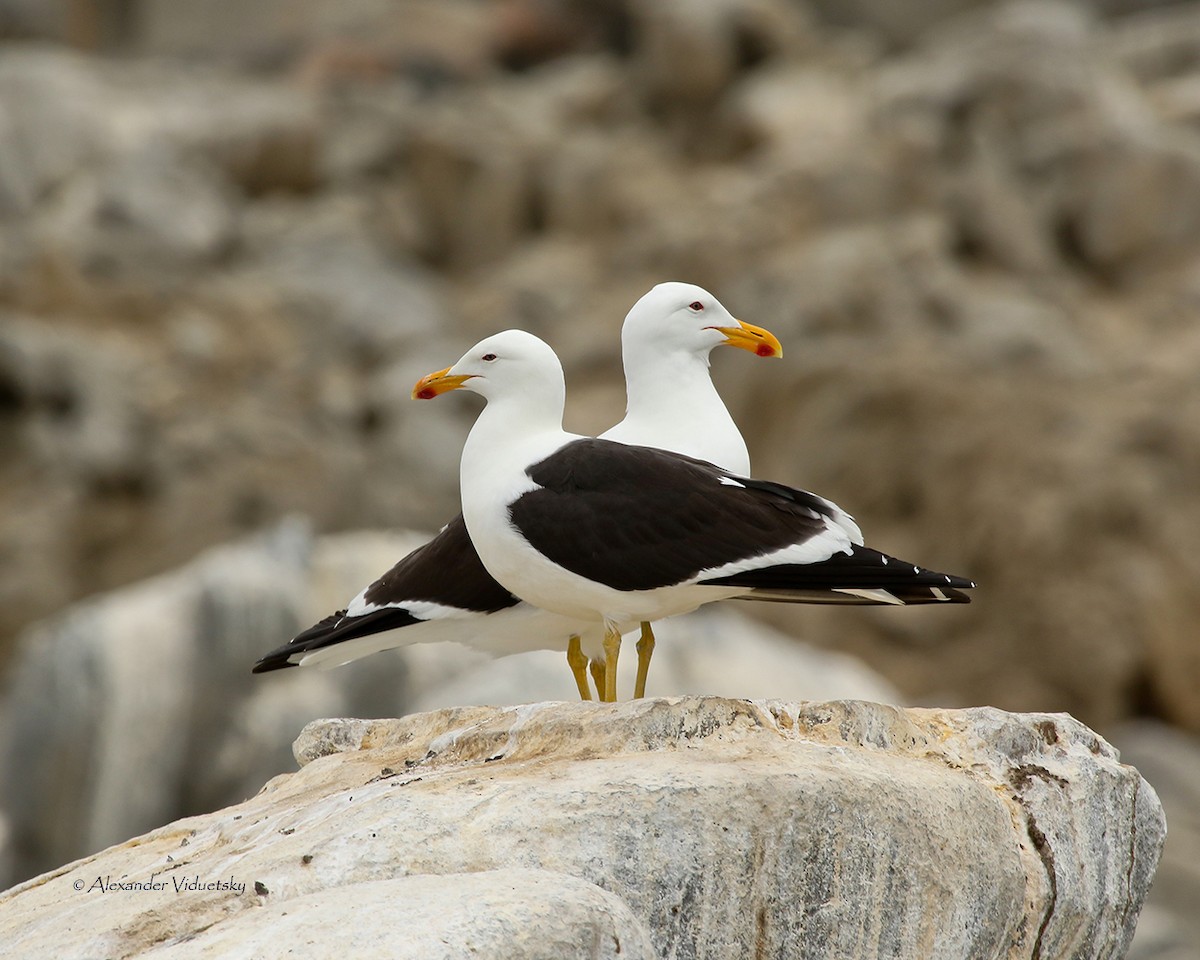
[863, 569]
[334, 629]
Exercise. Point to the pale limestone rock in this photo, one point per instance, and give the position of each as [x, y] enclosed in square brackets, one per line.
[510, 914]
[727, 828]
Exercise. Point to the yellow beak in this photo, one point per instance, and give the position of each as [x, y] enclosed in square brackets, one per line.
[439, 382]
[749, 337]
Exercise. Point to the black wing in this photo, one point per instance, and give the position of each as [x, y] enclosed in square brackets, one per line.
[446, 570]
[635, 518]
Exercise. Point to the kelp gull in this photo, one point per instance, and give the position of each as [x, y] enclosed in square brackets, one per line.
[615, 534]
[442, 591]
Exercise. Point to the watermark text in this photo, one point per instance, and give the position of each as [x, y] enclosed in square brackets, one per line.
[159, 883]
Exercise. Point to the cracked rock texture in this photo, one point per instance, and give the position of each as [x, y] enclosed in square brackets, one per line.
[691, 827]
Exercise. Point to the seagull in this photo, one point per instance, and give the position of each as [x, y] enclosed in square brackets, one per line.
[442, 591]
[616, 535]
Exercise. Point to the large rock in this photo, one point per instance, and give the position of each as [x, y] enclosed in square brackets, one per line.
[506, 914]
[727, 828]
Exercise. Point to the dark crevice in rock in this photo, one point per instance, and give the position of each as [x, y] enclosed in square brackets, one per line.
[1042, 845]
[1024, 774]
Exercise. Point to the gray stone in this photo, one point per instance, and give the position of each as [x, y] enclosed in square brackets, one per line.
[811, 117]
[688, 54]
[366, 130]
[81, 403]
[263, 135]
[726, 827]
[1159, 45]
[474, 173]
[60, 111]
[357, 41]
[900, 22]
[49, 109]
[1057, 149]
[26, 19]
[322, 266]
[141, 219]
[1138, 200]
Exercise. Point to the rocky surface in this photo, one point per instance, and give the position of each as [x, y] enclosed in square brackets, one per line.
[505, 914]
[694, 827]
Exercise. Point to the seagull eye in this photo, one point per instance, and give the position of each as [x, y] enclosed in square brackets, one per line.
[696, 305]
[489, 357]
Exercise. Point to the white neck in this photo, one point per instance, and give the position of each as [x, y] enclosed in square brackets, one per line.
[675, 406]
[512, 431]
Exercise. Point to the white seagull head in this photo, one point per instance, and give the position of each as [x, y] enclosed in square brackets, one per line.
[682, 317]
[513, 364]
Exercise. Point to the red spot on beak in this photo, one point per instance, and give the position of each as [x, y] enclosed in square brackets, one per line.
[426, 394]
[765, 350]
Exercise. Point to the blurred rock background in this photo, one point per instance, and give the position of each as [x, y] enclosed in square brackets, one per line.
[232, 235]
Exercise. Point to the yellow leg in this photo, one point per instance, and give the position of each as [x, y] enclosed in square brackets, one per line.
[645, 650]
[578, 664]
[612, 650]
[598, 676]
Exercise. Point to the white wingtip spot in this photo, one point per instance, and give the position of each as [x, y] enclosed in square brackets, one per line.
[948, 580]
[916, 569]
[884, 559]
[730, 482]
[875, 594]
